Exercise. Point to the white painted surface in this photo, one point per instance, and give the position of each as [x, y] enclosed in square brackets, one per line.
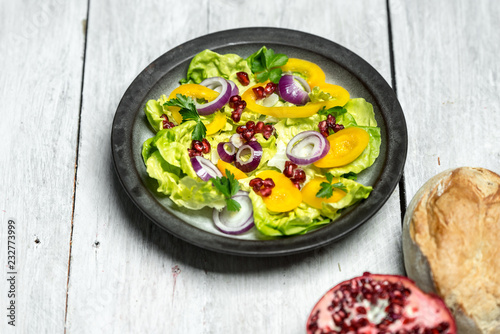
[127, 275]
[40, 87]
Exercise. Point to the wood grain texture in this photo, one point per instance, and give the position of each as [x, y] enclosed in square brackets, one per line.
[447, 71]
[41, 66]
[129, 276]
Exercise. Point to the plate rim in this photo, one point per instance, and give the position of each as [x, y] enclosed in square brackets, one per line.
[143, 198]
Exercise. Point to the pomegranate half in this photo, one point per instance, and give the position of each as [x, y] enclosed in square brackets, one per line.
[372, 304]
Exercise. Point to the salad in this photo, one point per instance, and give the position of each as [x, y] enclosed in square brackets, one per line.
[263, 140]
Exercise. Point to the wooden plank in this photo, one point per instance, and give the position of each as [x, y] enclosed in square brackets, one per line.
[41, 66]
[447, 76]
[127, 275]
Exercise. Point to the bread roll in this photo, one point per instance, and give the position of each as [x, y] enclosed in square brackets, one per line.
[451, 243]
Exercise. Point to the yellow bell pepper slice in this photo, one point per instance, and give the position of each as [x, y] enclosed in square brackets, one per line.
[341, 95]
[311, 71]
[312, 187]
[284, 196]
[345, 146]
[194, 91]
[217, 123]
[238, 174]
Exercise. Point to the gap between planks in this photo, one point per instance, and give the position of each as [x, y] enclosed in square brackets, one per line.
[85, 32]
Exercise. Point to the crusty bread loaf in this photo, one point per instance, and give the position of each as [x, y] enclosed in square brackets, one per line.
[451, 242]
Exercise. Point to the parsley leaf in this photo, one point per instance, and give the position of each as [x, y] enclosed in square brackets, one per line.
[228, 186]
[335, 111]
[327, 188]
[189, 113]
[266, 65]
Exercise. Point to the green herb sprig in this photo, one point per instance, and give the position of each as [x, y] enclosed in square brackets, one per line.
[266, 64]
[327, 188]
[189, 113]
[228, 186]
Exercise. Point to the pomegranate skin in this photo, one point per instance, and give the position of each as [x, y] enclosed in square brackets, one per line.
[373, 304]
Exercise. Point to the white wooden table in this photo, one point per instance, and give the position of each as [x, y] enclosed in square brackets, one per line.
[88, 261]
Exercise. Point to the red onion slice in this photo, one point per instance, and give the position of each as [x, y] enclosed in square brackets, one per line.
[235, 222]
[234, 88]
[226, 151]
[236, 140]
[307, 147]
[292, 89]
[204, 168]
[218, 84]
[254, 150]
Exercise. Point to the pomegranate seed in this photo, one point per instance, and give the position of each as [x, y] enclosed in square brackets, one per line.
[193, 153]
[268, 128]
[330, 121]
[241, 105]
[338, 127]
[299, 175]
[288, 171]
[206, 146]
[233, 100]
[267, 134]
[240, 129]
[265, 192]
[361, 310]
[235, 116]
[259, 92]
[168, 125]
[256, 189]
[197, 145]
[268, 183]
[270, 88]
[297, 185]
[247, 135]
[322, 126]
[243, 78]
[259, 127]
[255, 182]
[250, 125]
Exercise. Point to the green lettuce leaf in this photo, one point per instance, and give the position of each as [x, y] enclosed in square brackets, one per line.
[354, 193]
[153, 110]
[167, 175]
[362, 112]
[304, 218]
[299, 221]
[207, 64]
[195, 194]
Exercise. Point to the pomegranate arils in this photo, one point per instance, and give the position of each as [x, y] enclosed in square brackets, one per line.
[380, 304]
[243, 78]
[256, 182]
[269, 89]
[206, 146]
[238, 105]
[166, 123]
[262, 187]
[247, 135]
[197, 145]
[233, 100]
[268, 183]
[259, 92]
[250, 125]
[236, 116]
[259, 127]
[325, 126]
